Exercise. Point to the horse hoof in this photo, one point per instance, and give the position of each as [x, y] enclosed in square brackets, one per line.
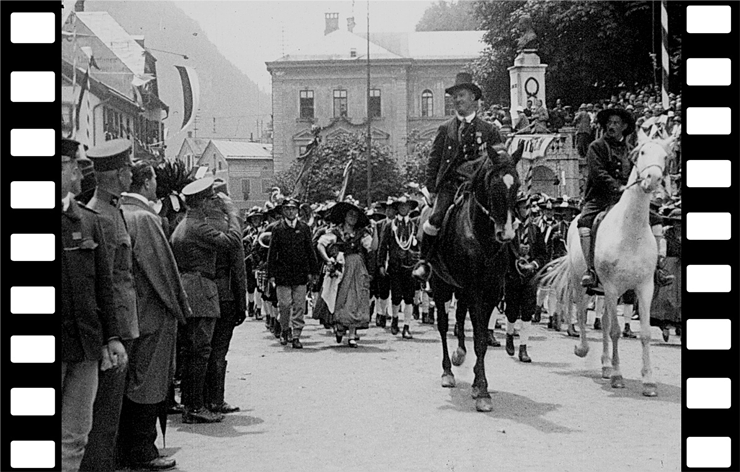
[650, 390]
[617, 381]
[606, 372]
[448, 381]
[580, 351]
[458, 357]
[484, 404]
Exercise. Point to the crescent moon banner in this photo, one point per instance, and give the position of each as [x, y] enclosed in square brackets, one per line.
[190, 93]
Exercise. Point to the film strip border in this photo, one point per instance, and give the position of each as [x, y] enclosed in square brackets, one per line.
[30, 104]
[33, 81]
[710, 145]
[32, 373]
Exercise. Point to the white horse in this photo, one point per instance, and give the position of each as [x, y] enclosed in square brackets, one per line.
[625, 256]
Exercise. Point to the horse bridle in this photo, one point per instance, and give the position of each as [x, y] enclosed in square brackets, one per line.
[633, 159]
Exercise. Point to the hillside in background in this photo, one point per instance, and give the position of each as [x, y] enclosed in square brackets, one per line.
[227, 94]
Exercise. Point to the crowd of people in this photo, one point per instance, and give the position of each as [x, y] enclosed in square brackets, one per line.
[152, 293]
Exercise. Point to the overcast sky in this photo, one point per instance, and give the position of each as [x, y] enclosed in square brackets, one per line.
[249, 33]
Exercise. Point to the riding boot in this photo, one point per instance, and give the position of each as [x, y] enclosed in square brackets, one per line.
[589, 278]
[663, 278]
[422, 270]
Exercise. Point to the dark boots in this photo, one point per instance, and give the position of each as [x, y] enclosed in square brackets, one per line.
[416, 312]
[589, 278]
[394, 326]
[492, 341]
[250, 309]
[406, 332]
[510, 344]
[523, 356]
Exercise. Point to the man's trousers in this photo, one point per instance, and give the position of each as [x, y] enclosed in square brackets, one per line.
[216, 372]
[79, 386]
[291, 305]
[197, 337]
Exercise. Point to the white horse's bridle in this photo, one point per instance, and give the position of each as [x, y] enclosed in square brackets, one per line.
[634, 158]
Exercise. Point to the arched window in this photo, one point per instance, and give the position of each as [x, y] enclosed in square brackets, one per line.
[427, 103]
[449, 105]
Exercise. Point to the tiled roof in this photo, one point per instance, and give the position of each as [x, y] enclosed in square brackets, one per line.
[115, 38]
[243, 150]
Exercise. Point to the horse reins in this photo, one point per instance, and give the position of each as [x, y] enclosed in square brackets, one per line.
[639, 179]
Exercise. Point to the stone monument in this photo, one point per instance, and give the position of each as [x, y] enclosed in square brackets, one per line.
[527, 75]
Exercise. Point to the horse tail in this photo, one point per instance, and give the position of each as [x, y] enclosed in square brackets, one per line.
[556, 274]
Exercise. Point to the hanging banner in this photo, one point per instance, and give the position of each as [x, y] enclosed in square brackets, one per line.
[190, 93]
[535, 145]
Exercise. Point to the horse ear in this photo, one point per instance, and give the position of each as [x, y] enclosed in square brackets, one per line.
[641, 136]
[517, 155]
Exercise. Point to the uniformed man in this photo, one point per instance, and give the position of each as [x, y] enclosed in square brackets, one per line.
[112, 164]
[195, 244]
[90, 330]
[382, 280]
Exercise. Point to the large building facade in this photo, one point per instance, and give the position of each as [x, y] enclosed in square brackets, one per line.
[325, 83]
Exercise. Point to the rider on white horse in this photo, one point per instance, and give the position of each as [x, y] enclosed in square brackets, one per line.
[609, 168]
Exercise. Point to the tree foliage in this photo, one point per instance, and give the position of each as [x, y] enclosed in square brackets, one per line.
[592, 48]
[326, 172]
[449, 16]
[415, 167]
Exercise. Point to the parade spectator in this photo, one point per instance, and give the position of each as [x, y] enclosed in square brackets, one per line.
[582, 122]
[161, 305]
[89, 326]
[528, 111]
[254, 223]
[195, 244]
[541, 117]
[383, 281]
[291, 264]
[454, 149]
[89, 183]
[557, 116]
[344, 302]
[112, 163]
[231, 281]
[398, 246]
[522, 125]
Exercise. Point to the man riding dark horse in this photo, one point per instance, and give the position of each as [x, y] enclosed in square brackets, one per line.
[609, 168]
[456, 154]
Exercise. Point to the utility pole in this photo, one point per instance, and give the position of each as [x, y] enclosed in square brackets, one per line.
[369, 115]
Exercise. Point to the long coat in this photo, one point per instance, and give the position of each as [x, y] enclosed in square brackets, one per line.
[88, 310]
[161, 304]
[444, 157]
[231, 269]
[608, 169]
[291, 257]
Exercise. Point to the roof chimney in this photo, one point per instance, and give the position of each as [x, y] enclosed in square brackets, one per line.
[353, 52]
[80, 5]
[351, 24]
[190, 134]
[332, 22]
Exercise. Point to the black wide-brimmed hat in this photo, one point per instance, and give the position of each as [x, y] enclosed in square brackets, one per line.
[465, 80]
[375, 215]
[603, 116]
[338, 212]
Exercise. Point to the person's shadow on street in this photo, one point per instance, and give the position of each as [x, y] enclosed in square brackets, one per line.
[230, 427]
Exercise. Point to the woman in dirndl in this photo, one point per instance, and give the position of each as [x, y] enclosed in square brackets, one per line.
[345, 293]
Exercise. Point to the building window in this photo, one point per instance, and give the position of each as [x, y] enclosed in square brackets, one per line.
[427, 105]
[449, 105]
[220, 165]
[301, 150]
[340, 103]
[374, 103]
[266, 186]
[245, 189]
[306, 104]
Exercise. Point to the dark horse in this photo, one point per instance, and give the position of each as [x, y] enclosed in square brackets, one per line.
[470, 258]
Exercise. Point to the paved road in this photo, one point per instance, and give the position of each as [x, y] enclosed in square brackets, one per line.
[381, 408]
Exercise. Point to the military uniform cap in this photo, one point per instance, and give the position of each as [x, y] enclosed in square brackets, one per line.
[69, 149]
[290, 202]
[111, 155]
[201, 187]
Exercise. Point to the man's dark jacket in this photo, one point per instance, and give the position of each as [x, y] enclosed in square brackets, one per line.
[88, 309]
[444, 157]
[606, 173]
[291, 257]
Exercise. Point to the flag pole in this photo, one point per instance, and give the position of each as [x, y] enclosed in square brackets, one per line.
[369, 116]
[665, 61]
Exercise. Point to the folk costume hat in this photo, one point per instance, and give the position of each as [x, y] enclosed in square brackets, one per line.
[111, 155]
[464, 80]
[413, 204]
[338, 212]
[603, 116]
[254, 211]
[290, 202]
[375, 215]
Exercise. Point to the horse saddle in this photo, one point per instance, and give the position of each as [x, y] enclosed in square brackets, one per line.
[456, 223]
